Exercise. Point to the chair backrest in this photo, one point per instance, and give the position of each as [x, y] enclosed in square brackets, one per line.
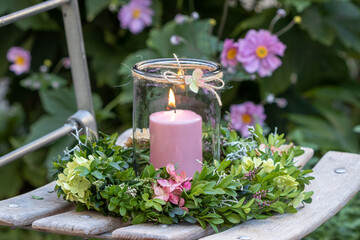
[84, 117]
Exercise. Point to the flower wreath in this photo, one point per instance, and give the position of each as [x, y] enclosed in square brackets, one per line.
[255, 178]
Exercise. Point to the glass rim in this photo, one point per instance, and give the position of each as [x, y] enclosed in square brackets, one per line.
[213, 67]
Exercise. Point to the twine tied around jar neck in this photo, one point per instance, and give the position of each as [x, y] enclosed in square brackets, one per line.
[210, 83]
[205, 82]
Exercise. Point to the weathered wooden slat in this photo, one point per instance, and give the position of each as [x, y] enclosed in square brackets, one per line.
[24, 209]
[162, 232]
[86, 223]
[337, 180]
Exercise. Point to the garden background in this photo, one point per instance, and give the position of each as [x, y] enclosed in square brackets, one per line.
[313, 97]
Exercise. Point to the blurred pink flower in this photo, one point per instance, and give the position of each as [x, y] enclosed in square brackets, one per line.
[20, 58]
[229, 52]
[66, 62]
[180, 18]
[136, 15]
[246, 114]
[257, 52]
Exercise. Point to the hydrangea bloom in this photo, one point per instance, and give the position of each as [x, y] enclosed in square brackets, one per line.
[229, 52]
[171, 189]
[75, 187]
[245, 115]
[136, 15]
[20, 58]
[257, 52]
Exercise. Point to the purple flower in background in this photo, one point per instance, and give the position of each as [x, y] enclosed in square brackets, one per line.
[136, 15]
[180, 18]
[20, 58]
[229, 52]
[257, 52]
[66, 62]
[246, 114]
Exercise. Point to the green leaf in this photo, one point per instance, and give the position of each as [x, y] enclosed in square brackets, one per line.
[97, 174]
[233, 218]
[115, 165]
[165, 220]
[190, 219]
[145, 196]
[202, 223]
[255, 188]
[216, 221]
[83, 171]
[157, 206]
[122, 211]
[225, 182]
[139, 219]
[37, 198]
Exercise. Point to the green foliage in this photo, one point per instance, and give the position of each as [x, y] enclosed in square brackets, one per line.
[98, 174]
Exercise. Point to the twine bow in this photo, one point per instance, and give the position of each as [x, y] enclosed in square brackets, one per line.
[196, 80]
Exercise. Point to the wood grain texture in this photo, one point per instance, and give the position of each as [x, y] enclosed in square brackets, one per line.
[23, 209]
[331, 192]
[161, 232]
[84, 223]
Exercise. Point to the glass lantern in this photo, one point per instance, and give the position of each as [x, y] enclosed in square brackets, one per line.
[177, 124]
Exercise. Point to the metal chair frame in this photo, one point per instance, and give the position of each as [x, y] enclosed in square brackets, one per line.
[84, 117]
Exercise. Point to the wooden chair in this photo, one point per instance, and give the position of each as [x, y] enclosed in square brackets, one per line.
[336, 176]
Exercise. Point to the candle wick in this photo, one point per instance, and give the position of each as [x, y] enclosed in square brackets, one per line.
[174, 110]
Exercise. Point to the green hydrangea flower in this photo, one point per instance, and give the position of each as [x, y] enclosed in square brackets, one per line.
[74, 186]
[286, 183]
[251, 163]
[268, 165]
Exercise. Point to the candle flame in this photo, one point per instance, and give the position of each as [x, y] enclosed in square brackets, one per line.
[171, 102]
[179, 73]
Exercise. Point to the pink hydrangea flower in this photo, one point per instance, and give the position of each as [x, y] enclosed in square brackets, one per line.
[229, 52]
[245, 115]
[170, 190]
[162, 193]
[181, 204]
[258, 52]
[20, 58]
[136, 15]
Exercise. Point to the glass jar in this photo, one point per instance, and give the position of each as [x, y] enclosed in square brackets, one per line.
[185, 133]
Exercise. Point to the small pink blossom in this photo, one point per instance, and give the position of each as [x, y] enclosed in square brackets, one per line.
[245, 115]
[258, 52]
[170, 184]
[20, 58]
[173, 198]
[162, 193]
[170, 169]
[229, 52]
[136, 15]
[170, 190]
[181, 204]
[187, 186]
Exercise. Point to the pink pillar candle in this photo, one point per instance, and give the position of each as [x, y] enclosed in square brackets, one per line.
[176, 137]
